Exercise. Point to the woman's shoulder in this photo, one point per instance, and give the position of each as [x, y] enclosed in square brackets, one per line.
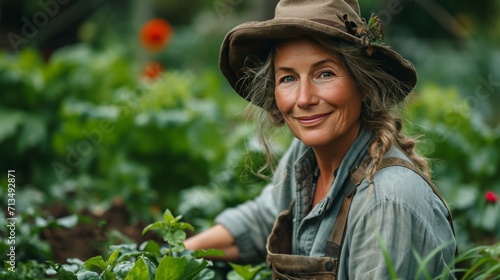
[398, 193]
[398, 185]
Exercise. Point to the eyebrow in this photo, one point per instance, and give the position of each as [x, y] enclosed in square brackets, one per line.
[325, 61]
[314, 65]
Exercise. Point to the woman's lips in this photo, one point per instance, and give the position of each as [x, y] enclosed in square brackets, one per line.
[312, 120]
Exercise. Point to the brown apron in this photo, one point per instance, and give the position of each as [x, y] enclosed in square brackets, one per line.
[284, 265]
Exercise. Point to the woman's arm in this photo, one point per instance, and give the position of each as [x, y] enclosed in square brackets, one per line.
[216, 237]
[241, 232]
[400, 212]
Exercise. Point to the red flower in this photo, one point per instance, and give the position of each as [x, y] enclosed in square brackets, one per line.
[152, 70]
[491, 197]
[155, 34]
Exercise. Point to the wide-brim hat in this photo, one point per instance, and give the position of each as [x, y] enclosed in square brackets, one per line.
[336, 19]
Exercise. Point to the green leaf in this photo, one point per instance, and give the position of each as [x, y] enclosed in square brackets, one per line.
[113, 258]
[168, 217]
[139, 271]
[9, 121]
[151, 268]
[107, 275]
[127, 251]
[88, 275]
[233, 275]
[206, 274]
[123, 268]
[62, 273]
[183, 225]
[33, 132]
[184, 268]
[152, 247]
[207, 253]
[93, 262]
[155, 225]
[247, 272]
[175, 237]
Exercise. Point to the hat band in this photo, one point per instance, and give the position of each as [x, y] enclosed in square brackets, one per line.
[331, 23]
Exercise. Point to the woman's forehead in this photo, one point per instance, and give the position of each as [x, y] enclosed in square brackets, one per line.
[303, 45]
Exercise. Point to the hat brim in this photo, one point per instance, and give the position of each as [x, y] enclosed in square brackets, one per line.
[256, 38]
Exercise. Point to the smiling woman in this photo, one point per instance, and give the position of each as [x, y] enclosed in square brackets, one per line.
[317, 97]
[319, 101]
[351, 183]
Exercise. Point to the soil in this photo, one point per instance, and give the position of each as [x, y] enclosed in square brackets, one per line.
[91, 237]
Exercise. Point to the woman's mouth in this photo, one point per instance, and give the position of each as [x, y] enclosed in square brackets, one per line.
[312, 119]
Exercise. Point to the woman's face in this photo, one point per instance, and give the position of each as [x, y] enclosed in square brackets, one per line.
[317, 97]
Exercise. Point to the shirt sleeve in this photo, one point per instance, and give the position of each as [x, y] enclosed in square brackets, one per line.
[251, 222]
[405, 229]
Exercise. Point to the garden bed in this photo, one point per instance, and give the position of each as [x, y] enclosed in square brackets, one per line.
[93, 233]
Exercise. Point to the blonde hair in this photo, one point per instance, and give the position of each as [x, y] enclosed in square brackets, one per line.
[382, 93]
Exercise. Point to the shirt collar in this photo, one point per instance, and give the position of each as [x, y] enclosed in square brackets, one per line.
[306, 164]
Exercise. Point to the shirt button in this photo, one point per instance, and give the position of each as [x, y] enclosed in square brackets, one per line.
[329, 266]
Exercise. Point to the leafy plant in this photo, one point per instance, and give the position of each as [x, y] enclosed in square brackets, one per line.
[173, 232]
[464, 159]
[31, 249]
[27, 242]
[481, 262]
[126, 262]
[249, 272]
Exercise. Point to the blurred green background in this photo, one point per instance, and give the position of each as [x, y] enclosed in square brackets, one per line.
[85, 120]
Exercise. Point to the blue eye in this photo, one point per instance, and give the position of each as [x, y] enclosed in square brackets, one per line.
[287, 79]
[326, 74]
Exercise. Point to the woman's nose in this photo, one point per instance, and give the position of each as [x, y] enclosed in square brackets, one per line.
[307, 94]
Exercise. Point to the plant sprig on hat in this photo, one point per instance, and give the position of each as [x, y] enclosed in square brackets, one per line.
[369, 32]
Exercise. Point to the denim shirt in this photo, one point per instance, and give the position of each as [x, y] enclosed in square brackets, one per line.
[398, 210]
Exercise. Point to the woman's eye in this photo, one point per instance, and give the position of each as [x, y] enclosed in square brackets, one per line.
[287, 79]
[326, 75]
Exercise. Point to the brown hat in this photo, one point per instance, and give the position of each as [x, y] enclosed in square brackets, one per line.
[319, 18]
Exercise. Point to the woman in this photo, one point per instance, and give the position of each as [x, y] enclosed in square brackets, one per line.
[351, 183]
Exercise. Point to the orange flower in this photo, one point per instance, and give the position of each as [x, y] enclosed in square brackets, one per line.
[152, 71]
[155, 34]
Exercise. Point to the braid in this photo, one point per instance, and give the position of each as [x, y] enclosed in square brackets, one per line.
[387, 132]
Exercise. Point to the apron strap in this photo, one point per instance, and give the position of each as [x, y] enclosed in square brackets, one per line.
[336, 237]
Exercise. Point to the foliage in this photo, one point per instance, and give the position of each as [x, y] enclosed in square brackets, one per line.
[484, 262]
[173, 231]
[236, 183]
[149, 261]
[249, 272]
[28, 226]
[464, 156]
[481, 262]
[87, 126]
[173, 261]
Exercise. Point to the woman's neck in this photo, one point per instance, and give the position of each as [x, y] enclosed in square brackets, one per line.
[329, 158]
